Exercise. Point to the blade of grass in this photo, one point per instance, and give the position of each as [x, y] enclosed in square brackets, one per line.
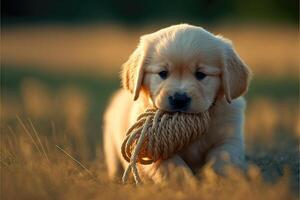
[10, 146]
[13, 140]
[28, 133]
[76, 161]
[12, 133]
[38, 139]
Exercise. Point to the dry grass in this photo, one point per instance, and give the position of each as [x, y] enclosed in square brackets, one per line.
[29, 173]
[32, 167]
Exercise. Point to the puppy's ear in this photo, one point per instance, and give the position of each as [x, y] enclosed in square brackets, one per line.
[133, 70]
[236, 74]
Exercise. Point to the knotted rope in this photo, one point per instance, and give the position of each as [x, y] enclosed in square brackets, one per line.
[157, 135]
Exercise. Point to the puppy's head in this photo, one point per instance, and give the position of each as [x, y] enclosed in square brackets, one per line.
[184, 68]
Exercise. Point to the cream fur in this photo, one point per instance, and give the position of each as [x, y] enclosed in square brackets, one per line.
[182, 50]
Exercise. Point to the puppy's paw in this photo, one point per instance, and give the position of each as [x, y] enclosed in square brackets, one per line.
[224, 163]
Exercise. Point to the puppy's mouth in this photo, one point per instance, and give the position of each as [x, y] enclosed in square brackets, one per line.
[185, 109]
[180, 110]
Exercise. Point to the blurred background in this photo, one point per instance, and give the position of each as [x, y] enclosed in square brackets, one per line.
[60, 63]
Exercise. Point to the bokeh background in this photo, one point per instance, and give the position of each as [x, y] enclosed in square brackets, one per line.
[60, 63]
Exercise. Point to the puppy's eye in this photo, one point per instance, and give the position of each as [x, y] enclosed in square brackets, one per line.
[200, 75]
[163, 74]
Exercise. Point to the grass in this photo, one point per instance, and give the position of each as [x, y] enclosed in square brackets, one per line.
[28, 173]
[56, 153]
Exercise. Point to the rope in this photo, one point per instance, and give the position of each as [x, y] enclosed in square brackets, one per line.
[157, 135]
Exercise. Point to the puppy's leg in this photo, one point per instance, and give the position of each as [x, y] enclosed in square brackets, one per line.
[113, 163]
[229, 153]
[162, 171]
[227, 132]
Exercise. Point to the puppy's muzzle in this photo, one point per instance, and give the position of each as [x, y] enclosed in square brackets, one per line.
[179, 102]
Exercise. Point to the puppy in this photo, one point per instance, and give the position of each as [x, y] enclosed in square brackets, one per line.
[182, 68]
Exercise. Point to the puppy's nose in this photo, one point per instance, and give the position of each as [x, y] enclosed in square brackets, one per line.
[179, 101]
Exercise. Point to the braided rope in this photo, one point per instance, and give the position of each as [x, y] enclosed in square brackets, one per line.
[157, 135]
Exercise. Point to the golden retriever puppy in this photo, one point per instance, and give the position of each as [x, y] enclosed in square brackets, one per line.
[182, 68]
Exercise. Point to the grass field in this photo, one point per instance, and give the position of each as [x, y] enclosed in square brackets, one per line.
[44, 105]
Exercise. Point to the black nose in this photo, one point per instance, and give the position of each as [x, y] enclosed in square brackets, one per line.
[179, 101]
